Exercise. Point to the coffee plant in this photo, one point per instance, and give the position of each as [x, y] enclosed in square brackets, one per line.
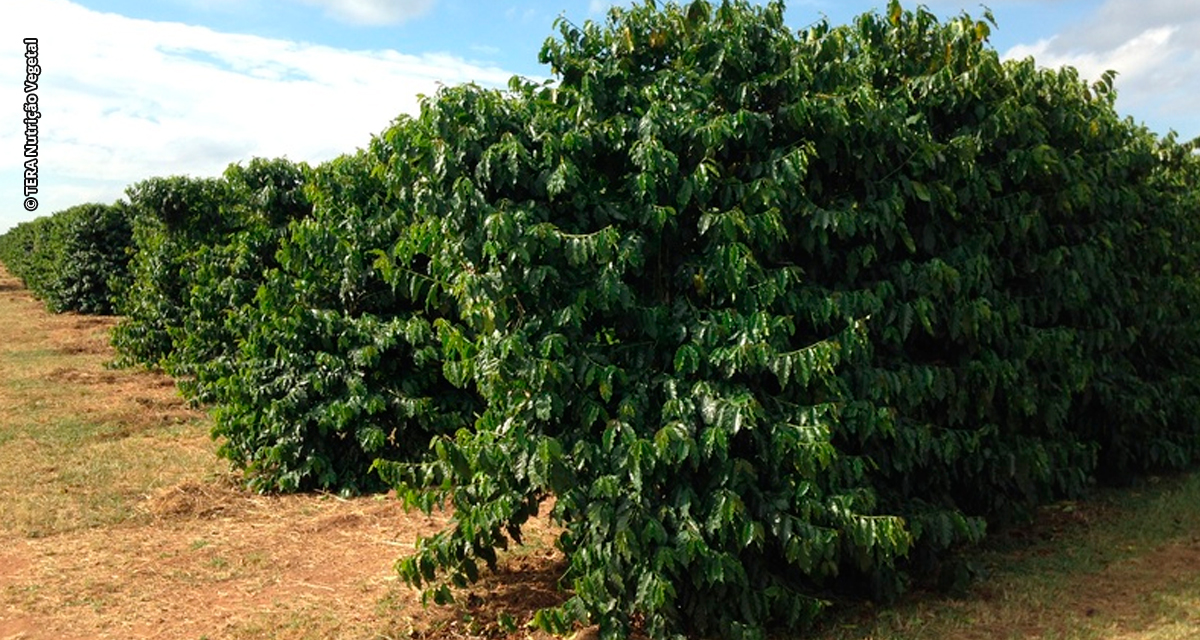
[29, 252]
[774, 316]
[202, 247]
[74, 260]
[263, 197]
[172, 218]
[334, 368]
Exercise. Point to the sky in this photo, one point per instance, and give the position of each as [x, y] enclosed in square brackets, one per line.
[130, 90]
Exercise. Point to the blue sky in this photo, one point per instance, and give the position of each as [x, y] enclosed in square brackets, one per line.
[130, 90]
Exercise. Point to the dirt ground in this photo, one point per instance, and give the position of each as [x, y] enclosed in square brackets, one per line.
[214, 562]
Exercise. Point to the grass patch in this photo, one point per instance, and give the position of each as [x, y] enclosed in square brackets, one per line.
[60, 475]
[82, 446]
[1125, 564]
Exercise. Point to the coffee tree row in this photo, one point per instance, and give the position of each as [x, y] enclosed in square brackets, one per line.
[775, 317]
[75, 260]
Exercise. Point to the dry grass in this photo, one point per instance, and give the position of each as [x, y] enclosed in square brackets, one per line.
[1124, 565]
[120, 522]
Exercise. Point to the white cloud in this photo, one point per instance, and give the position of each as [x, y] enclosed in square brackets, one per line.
[1151, 44]
[126, 99]
[1135, 58]
[373, 12]
[486, 50]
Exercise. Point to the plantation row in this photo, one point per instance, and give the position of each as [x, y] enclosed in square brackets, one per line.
[775, 317]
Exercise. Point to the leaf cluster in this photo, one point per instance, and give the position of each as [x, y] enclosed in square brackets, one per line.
[333, 369]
